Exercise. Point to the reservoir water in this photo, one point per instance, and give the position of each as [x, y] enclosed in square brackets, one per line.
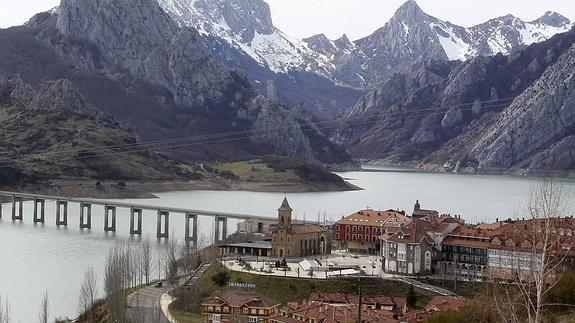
[34, 258]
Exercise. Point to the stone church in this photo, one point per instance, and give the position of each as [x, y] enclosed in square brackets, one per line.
[298, 240]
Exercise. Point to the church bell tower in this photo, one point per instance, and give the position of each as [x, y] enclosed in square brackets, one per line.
[284, 215]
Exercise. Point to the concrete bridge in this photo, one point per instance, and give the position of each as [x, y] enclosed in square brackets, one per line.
[110, 210]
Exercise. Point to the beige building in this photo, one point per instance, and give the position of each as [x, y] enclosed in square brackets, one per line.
[298, 240]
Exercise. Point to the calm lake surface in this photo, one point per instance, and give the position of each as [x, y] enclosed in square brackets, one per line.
[34, 258]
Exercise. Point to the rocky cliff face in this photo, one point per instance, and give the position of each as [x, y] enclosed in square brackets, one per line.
[240, 34]
[147, 44]
[537, 131]
[489, 114]
[156, 76]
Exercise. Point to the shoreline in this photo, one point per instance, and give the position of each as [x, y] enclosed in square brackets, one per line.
[435, 169]
[145, 189]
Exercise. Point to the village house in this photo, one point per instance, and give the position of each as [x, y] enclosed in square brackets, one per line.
[515, 247]
[409, 250]
[464, 254]
[360, 231]
[298, 240]
[445, 303]
[396, 305]
[235, 305]
[329, 313]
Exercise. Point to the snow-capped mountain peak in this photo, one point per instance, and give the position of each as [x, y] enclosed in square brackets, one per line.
[247, 26]
[409, 37]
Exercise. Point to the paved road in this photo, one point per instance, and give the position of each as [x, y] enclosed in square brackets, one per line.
[144, 305]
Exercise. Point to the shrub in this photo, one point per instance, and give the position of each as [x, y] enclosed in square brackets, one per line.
[221, 278]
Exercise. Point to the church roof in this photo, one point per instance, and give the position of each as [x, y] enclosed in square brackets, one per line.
[285, 206]
[308, 228]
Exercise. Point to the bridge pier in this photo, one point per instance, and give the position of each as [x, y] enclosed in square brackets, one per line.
[165, 233]
[224, 233]
[61, 213]
[85, 216]
[109, 210]
[138, 228]
[39, 218]
[192, 236]
[17, 202]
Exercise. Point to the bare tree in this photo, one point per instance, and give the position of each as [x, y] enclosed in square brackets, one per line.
[147, 259]
[171, 257]
[88, 290]
[5, 311]
[117, 279]
[44, 309]
[536, 257]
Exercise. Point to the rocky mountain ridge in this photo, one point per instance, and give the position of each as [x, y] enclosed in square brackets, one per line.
[145, 70]
[499, 114]
[410, 36]
[52, 131]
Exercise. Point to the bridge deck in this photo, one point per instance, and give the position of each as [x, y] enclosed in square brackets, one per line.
[138, 206]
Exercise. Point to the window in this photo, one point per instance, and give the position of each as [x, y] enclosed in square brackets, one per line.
[216, 318]
[366, 238]
[368, 230]
[353, 237]
[337, 236]
[337, 227]
[347, 237]
[354, 229]
[347, 228]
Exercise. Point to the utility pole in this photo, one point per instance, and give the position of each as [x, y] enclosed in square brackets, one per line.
[360, 300]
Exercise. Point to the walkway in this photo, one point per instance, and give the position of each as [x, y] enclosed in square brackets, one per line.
[431, 288]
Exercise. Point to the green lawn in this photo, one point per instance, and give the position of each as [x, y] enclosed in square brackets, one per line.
[257, 171]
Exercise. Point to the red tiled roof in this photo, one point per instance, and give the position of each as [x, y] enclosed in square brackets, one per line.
[333, 298]
[236, 298]
[413, 232]
[444, 303]
[373, 218]
[308, 228]
[328, 313]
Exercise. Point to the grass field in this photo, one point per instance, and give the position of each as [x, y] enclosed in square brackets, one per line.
[258, 171]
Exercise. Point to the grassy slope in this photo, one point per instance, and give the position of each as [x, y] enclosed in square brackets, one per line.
[42, 144]
[257, 171]
[277, 169]
[295, 290]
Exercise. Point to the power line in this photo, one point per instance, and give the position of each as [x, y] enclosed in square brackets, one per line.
[314, 126]
[248, 135]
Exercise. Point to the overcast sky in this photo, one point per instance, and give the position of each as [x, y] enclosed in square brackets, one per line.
[356, 18]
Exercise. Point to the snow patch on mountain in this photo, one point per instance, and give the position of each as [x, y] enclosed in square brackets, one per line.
[454, 46]
[274, 50]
